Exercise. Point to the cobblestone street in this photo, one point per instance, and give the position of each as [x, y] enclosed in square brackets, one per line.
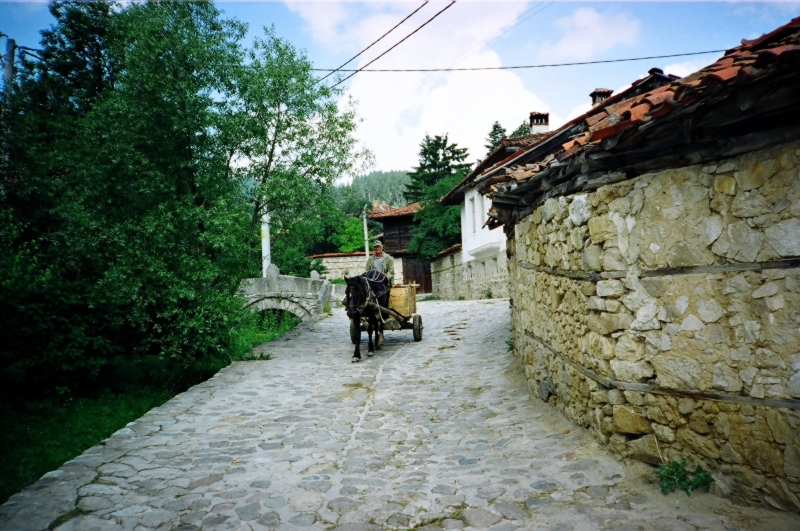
[441, 434]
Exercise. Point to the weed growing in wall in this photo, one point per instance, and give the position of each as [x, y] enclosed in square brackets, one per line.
[673, 476]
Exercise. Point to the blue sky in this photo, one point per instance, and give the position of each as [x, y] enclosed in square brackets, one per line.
[399, 109]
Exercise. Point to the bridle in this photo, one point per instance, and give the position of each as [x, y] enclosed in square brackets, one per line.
[368, 295]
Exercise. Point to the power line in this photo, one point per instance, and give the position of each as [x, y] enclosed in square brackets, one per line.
[519, 67]
[375, 42]
[399, 43]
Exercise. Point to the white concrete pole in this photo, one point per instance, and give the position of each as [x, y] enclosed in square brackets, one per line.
[266, 258]
[366, 234]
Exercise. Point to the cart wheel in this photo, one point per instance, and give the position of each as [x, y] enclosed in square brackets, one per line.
[417, 327]
[354, 338]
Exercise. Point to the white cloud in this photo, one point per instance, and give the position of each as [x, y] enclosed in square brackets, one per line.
[688, 67]
[399, 109]
[588, 34]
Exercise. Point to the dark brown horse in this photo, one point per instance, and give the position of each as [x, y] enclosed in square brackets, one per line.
[370, 287]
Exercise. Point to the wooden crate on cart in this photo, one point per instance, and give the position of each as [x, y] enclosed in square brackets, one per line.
[403, 299]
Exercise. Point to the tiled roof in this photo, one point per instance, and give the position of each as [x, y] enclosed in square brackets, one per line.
[408, 210]
[494, 160]
[632, 119]
[450, 250]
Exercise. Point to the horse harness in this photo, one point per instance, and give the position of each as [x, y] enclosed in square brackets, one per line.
[369, 295]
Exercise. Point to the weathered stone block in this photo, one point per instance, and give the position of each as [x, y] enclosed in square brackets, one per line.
[601, 228]
[664, 433]
[678, 373]
[606, 323]
[685, 254]
[757, 174]
[628, 371]
[580, 210]
[725, 379]
[791, 460]
[595, 303]
[626, 420]
[784, 237]
[697, 443]
[767, 290]
[591, 258]
[710, 311]
[610, 288]
[739, 242]
[645, 450]
[725, 184]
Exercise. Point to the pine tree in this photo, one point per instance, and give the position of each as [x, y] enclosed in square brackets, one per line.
[497, 134]
[523, 129]
[437, 159]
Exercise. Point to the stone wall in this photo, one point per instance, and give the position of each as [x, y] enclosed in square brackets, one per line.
[477, 279]
[663, 314]
[346, 264]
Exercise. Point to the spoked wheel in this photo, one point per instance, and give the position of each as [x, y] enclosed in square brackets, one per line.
[417, 327]
[354, 337]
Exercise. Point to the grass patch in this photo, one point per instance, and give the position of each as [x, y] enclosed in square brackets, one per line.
[337, 281]
[37, 436]
[673, 476]
[264, 326]
[430, 298]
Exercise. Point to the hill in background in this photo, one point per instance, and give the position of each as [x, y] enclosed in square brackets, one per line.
[386, 186]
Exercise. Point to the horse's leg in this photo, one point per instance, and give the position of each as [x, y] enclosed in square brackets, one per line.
[357, 353]
[371, 327]
[379, 335]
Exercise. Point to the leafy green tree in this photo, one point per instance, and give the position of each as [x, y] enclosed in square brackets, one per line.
[290, 135]
[438, 226]
[350, 236]
[440, 168]
[438, 159]
[523, 129]
[497, 134]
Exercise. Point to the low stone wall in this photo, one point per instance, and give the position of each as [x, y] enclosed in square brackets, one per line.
[477, 279]
[304, 297]
[344, 264]
[663, 314]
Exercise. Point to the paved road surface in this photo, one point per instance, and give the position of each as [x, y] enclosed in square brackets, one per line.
[441, 434]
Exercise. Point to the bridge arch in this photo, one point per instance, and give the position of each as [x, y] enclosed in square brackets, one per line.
[281, 303]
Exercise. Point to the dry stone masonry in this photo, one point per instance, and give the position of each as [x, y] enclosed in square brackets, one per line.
[477, 279]
[663, 313]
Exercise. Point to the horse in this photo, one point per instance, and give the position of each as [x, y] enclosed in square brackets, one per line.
[372, 286]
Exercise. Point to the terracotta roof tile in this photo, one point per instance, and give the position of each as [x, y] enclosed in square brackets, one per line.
[779, 49]
[408, 210]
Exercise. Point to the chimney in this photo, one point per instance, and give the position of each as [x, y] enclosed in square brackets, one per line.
[599, 95]
[540, 122]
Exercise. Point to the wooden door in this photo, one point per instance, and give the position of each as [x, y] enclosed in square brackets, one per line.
[418, 272]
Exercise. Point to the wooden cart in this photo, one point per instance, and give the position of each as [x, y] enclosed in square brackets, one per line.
[402, 312]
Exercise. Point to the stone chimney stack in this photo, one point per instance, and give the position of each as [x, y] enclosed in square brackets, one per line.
[599, 95]
[540, 122]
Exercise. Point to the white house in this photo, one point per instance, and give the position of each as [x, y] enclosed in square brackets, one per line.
[476, 269]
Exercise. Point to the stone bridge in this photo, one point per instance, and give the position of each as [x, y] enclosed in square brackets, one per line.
[304, 297]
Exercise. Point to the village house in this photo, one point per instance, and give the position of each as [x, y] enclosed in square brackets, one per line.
[397, 225]
[476, 268]
[653, 249]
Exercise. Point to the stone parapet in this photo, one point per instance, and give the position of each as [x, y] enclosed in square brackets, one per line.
[662, 314]
[476, 279]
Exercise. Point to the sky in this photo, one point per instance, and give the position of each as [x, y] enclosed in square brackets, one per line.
[398, 109]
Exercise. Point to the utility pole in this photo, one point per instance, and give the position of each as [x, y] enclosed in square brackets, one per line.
[266, 258]
[366, 234]
[8, 68]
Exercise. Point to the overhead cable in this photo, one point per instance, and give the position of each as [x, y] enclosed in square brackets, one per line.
[375, 41]
[519, 67]
[398, 43]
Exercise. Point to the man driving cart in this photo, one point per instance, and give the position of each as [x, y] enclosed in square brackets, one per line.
[381, 261]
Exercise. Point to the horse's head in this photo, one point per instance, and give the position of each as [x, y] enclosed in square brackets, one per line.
[355, 296]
